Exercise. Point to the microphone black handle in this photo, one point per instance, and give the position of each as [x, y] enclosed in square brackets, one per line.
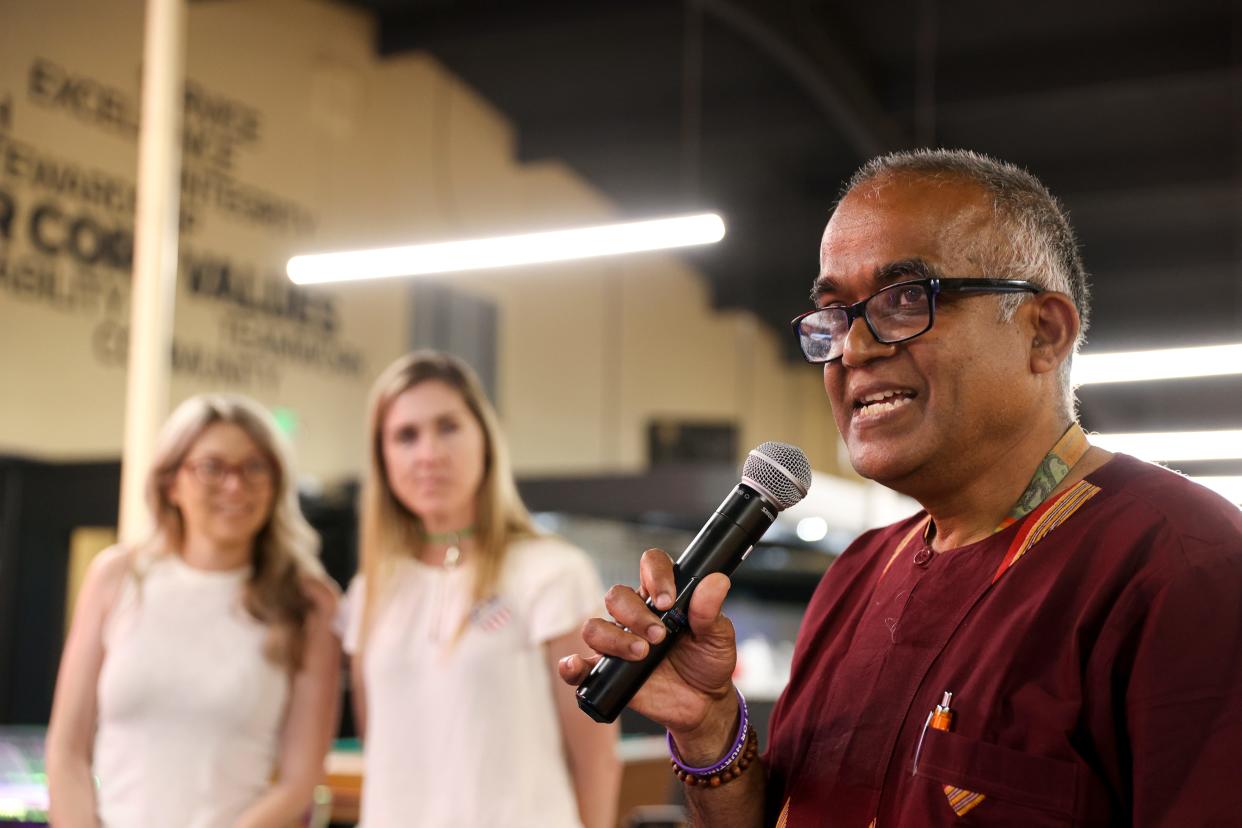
[723, 543]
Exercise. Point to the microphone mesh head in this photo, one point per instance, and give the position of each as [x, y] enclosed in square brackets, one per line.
[778, 471]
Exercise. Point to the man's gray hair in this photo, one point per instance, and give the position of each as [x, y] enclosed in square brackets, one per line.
[1036, 241]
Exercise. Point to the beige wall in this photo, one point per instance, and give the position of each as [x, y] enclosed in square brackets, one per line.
[349, 150]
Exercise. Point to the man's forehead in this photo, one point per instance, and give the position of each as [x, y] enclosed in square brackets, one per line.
[905, 218]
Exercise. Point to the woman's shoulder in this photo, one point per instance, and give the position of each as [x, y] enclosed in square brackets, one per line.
[540, 562]
[555, 585]
[546, 551]
[322, 592]
[114, 561]
[106, 577]
[109, 569]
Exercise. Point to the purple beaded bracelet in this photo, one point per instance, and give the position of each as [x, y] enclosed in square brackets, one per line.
[730, 756]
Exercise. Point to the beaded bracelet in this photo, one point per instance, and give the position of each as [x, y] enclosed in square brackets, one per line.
[737, 759]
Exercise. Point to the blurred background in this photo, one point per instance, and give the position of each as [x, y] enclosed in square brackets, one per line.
[630, 388]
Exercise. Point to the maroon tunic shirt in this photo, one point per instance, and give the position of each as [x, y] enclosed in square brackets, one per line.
[1098, 681]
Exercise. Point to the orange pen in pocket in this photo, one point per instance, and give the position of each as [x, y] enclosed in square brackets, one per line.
[940, 718]
[942, 714]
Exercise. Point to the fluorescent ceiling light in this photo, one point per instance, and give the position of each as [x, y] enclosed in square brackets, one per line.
[1171, 363]
[507, 251]
[1229, 487]
[1175, 445]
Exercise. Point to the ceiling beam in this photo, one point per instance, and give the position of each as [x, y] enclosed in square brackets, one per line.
[836, 87]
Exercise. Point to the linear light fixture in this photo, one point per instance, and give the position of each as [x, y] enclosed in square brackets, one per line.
[1171, 363]
[507, 251]
[1224, 485]
[1175, 445]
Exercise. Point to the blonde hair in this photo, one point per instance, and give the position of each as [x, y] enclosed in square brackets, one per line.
[285, 548]
[390, 530]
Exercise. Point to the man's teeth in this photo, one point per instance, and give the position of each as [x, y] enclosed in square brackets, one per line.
[884, 401]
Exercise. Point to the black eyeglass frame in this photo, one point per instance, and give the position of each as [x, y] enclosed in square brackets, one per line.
[934, 286]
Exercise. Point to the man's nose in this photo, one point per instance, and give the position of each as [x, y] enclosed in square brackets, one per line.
[861, 346]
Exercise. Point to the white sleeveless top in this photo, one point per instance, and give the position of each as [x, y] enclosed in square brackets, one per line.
[189, 708]
[464, 734]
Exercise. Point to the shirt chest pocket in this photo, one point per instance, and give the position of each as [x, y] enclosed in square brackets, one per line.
[989, 784]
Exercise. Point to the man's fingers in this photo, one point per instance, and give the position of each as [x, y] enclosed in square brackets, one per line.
[609, 639]
[655, 572]
[631, 612]
[706, 602]
[573, 669]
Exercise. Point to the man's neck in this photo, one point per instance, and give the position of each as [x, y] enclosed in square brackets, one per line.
[972, 502]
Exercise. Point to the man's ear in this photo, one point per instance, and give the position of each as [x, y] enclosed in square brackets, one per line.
[1054, 329]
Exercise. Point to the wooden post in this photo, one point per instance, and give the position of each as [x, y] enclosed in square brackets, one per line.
[156, 229]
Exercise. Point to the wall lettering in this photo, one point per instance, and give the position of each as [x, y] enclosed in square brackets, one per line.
[270, 294]
[110, 344]
[211, 110]
[242, 202]
[66, 235]
[214, 126]
[8, 211]
[51, 85]
[38, 278]
[200, 190]
[253, 332]
[24, 163]
[82, 238]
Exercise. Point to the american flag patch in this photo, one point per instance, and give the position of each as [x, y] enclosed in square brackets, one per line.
[961, 800]
[490, 615]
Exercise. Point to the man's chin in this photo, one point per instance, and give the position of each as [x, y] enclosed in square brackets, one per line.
[886, 467]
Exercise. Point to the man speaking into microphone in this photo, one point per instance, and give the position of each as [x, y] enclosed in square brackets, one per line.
[1056, 639]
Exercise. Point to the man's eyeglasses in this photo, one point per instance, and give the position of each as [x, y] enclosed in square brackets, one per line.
[895, 314]
[214, 472]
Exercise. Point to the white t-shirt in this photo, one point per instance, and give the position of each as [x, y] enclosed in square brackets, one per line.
[463, 733]
[190, 710]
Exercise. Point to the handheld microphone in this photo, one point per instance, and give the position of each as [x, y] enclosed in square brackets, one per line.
[774, 477]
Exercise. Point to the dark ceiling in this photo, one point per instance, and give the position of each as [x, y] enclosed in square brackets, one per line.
[1130, 110]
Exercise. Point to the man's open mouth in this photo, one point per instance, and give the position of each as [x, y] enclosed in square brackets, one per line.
[882, 402]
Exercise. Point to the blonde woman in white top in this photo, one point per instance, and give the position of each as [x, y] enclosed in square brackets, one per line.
[199, 680]
[456, 624]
